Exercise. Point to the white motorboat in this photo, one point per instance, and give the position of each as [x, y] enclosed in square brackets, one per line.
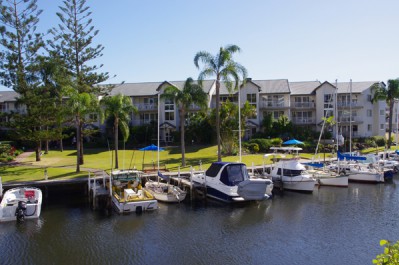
[165, 192]
[20, 204]
[128, 194]
[230, 182]
[290, 172]
[327, 177]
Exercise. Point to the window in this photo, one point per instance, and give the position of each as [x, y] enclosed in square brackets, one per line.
[369, 113]
[147, 118]
[369, 98]
[93, 117]
[382, 126]
[328, 101]
[274, 101]
[369, 127]
[169, 110]
[251, 98]
[382, 112]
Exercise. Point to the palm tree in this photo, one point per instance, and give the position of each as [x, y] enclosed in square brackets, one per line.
[191, 94]
[80, 105]
[118, 107]
[225, 69]
[389, 94]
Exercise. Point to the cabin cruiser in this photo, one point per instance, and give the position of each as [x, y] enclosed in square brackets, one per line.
[230, 182]
[128, 193]
[290, 172]
[20, 204]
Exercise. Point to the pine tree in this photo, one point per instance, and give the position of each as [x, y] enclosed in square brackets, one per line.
[73, 40]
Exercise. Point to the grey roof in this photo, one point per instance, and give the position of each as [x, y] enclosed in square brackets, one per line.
[150, 88]
[8, 96]
[303, 88]
[357, 87]
[279, 86]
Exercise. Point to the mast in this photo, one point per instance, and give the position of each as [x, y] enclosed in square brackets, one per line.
[239, 121]
[159, 106]
[350, 118]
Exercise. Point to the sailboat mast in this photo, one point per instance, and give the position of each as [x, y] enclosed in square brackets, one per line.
[159, 106]
[350, 118]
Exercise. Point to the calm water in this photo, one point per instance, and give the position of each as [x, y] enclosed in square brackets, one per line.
[330, 226]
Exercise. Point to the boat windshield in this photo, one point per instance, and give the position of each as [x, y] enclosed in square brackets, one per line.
[234, 174]
[290, 172]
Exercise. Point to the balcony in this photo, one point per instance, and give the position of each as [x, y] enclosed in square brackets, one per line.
[348, 105]
[303, 105]
[303, 121]
[348, 120]
[273, 105]
[145, 106]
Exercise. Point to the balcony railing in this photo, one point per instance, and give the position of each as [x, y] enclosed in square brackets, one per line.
[145, 106]
[348, 119]
[303, 120]
[304, 105]
[348, 104]
[272, 104]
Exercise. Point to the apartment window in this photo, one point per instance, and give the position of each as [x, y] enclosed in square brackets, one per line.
[93, 117]
[251, 98]
[369, 113]
[169, 110]
[328, 101]
[382, 112]
[274, 100]
[3, 107]
[369, 98]
[382, 126]
[147, 118]
[369, 127]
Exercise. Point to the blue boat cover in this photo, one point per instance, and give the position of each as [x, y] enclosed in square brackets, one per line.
[314, 164]
[349, 157]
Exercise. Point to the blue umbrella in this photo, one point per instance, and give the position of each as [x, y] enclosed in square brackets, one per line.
[151, 148]
[293, 141]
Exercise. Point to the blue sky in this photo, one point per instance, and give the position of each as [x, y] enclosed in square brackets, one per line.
[300, 40]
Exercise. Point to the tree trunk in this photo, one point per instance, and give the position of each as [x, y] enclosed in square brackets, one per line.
[77, 144]
[182, 141]
[218, 118]
[38, 150]
[61, 145]
[116, 125]
[81, 144]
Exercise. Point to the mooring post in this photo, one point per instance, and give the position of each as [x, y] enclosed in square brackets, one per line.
[94, 193]
[178, 177]
[191, 183]
[88, 184]
[1, 188]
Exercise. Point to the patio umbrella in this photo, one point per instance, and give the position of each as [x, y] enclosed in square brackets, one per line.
[293, 141]
[152, 147]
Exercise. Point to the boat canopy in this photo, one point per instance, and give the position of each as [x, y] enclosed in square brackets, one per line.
[233, 174]
[318, 165]
[349, 157]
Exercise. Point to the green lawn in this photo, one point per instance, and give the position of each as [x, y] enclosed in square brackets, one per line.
[62, 165]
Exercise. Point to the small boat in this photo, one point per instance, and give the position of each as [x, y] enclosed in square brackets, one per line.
[128, 194]
[20, 204]
[230, 182]
[165, 192]
[325, 177]
[290, 172]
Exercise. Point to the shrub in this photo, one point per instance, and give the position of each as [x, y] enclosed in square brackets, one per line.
[390, 255]
[379, 140]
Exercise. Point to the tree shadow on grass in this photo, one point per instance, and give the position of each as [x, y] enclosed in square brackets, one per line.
[189, 149]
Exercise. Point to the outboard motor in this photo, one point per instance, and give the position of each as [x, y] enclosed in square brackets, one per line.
[20, 212]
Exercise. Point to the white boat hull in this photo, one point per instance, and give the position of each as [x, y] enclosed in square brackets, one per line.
[336, 181]
[165, 192]
[366, 177]
[303, 186]
[9, 203]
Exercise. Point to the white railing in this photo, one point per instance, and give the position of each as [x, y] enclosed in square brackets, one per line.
[303, 105]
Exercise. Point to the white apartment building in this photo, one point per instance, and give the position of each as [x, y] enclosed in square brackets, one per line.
[304, 103]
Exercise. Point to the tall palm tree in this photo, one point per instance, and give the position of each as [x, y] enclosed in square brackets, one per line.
[80, 105]
[225, 69]
[389, 94]
[118, 107]
[190, 94]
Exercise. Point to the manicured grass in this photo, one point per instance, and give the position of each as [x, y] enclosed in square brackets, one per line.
[62, 165]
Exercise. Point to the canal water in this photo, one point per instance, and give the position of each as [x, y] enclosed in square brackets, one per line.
[330, 226]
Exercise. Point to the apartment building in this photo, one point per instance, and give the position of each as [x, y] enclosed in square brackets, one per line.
[304, 103]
